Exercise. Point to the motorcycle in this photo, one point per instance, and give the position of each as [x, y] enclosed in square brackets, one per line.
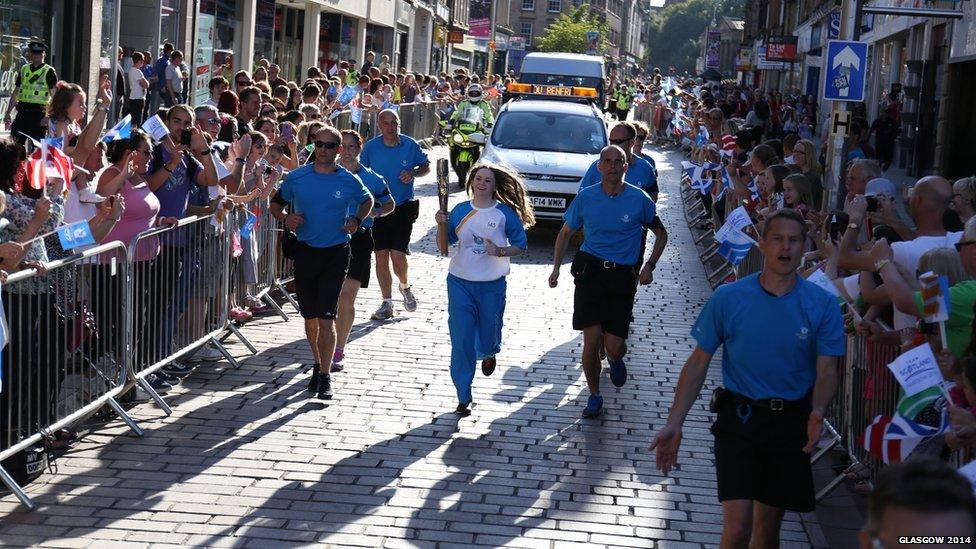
[465, 141]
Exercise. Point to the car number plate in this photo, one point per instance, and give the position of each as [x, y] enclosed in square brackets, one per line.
[548, 202]
[553, 90]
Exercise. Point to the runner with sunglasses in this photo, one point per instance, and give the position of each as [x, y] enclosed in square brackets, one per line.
[325, 205]
[641, 173]
[398, 159]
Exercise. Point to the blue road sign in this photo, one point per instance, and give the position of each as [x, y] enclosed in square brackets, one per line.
[845, 70]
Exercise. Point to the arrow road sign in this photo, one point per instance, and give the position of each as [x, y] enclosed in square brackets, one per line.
[847, 64]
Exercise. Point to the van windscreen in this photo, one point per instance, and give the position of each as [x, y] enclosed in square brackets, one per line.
[561, 80]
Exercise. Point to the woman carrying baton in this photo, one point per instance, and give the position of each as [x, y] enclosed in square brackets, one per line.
[488, 229]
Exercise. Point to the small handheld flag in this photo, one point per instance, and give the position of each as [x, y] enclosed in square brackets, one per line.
[734, 245]
[156, 128]
[122, 130]
[917, 370]
[75, 235]
[249, 224]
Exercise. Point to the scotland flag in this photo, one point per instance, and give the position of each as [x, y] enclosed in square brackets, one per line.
[122, 130]
[734, 244]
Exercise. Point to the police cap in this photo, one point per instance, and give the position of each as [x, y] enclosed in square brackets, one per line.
[36, 46]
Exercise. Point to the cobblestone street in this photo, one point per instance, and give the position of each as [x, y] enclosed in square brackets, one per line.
[247, 459]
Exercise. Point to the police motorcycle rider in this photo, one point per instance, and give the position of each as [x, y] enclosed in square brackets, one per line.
[471, 115]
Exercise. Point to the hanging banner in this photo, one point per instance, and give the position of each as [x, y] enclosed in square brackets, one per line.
[479, 18]
[712, 43]
[743, 61]
[203, 69]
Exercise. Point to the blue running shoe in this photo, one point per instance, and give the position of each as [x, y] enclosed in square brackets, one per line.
[618, 373]
[594, 406]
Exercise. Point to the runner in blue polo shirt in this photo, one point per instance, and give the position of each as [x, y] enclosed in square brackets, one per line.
[613, 216]
[362, 241]
[325, 205]
[398, 159]
[781, 338]
[641, 172]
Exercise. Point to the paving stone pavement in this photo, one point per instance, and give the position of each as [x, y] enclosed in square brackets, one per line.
[247, 459]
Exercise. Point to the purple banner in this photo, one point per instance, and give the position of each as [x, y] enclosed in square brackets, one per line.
[479, 19]
[712, 44]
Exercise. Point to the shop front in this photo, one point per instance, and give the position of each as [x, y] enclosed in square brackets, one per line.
[66, 27]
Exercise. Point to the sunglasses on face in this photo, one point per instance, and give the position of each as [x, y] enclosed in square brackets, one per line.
[328, 145]
[212, 121]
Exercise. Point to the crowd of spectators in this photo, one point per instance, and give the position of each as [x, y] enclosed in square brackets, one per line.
[873, 238]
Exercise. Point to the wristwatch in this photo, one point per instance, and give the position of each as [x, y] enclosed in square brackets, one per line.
[852, 225]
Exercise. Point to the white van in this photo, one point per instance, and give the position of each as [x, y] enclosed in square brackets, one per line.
[564, 69]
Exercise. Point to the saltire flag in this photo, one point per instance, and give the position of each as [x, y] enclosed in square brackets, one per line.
[47, 161]
[734, 245]
[122, 130]
[893, 438]
[702, 137]
[54, 142]
[753, 190]
[696, 177]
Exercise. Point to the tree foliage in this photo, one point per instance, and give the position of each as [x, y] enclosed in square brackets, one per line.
[675, 32]
[568, 32]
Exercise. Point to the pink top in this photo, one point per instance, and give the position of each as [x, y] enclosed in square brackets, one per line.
[141, 209]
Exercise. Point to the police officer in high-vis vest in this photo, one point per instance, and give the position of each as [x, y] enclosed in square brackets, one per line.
[31, 94]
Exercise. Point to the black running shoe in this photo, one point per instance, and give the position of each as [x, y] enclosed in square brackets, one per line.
[325, 388]
[313, 382]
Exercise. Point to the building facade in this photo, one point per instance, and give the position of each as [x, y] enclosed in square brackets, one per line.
[916, 59]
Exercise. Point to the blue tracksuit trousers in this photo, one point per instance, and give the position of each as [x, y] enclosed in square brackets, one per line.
[475, 311]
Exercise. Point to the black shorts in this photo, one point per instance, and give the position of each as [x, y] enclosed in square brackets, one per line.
[392, 232]
[319, 273]
[763, 459]
[361, 258]
[603, 297]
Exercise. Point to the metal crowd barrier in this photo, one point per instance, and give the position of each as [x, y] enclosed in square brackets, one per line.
[98, 323]
[268, 235]
[183, 293]
[67, 352]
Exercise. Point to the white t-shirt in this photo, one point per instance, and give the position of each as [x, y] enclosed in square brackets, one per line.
[470, 227]
[135, 90]
[906, 255]
[174, 75]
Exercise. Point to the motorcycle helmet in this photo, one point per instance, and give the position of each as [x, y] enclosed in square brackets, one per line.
[474, 92]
